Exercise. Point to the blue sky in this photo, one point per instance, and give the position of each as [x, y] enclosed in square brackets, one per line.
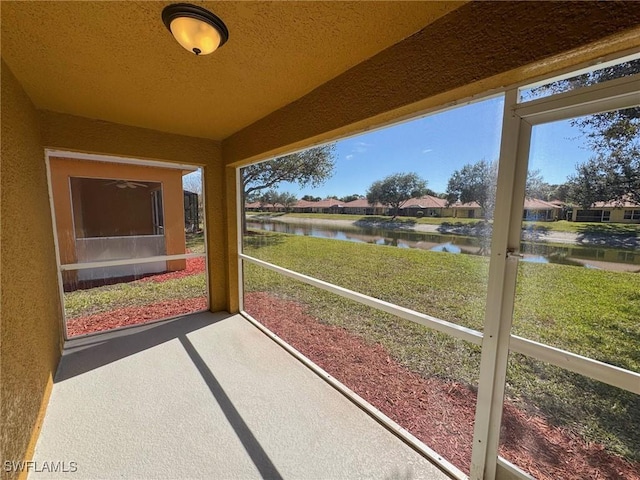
[437, 145]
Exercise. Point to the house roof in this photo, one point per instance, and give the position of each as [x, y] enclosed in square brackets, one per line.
[304, 204]
[616, 204]
[466, 205]
[537, 204]
[116, 61]
[361, 203]
[427, 201]
[329, 202]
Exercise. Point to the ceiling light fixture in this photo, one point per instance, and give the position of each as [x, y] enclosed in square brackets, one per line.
[195, 28]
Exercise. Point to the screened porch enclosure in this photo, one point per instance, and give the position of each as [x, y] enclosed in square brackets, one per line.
[509, 352]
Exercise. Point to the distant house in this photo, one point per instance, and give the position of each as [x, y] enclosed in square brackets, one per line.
[330, 205]
[361, 206]
[303, 206]
[467, 210]
[427, 206]
[541, 211]
[252, 207]
[623, 211]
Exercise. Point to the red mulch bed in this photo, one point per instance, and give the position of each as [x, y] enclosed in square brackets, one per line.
[127, 316]
[438, 412]
[123, 317]
[194, 266]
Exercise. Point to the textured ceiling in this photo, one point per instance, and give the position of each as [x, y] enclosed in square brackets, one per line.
[116, 61]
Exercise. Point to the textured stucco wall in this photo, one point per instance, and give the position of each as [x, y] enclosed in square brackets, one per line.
[69, 132]
[478, 47]
[31, 312]
[219, 237]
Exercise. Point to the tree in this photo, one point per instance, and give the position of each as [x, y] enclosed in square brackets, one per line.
[311, 198]
[614, 171]
[350, 198]
[275, 198]
[537, 187]
[431, 193]
[475, 183]
[586, 186]
[478, 182]
[396, 189]
[311, 167]
[287, 200]
[270, 197]
[559, 192]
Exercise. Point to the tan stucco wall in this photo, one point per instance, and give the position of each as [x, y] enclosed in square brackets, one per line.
[31, 312]
[69, 132]
[476, 48]
[617, 215]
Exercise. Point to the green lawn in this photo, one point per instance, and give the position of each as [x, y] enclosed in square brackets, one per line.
[559, 226]
[591, 312]
[587, 228]
[132, 294]
[195, 242]
[373, 218]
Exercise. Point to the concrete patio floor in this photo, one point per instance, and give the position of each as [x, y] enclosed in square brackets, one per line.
[208, 396]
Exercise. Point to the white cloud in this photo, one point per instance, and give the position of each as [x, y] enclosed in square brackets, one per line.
[427, 150]
[361, 147]
[349, 157]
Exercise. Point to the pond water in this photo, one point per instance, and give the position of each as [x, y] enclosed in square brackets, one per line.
[536, 252]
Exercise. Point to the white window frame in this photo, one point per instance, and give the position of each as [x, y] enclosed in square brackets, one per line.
[518, 121]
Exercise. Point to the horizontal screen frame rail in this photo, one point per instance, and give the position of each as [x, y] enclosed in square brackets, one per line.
[456, 331]
[129, 261]
[588, 367]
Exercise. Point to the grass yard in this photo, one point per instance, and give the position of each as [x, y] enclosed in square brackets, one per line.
[132, 303]
[195, 242]
[590, 312]
[631, 229]
[131, 294]
[583, 228]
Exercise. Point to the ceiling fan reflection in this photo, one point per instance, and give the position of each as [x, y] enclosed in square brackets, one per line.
[126, 184]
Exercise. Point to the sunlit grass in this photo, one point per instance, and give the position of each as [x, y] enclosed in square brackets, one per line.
[130, 294]
[590, 312]
[558, 226]
[632, 229]
[195, 242]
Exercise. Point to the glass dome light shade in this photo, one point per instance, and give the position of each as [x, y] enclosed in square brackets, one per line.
[194, 35]
[195, 28]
